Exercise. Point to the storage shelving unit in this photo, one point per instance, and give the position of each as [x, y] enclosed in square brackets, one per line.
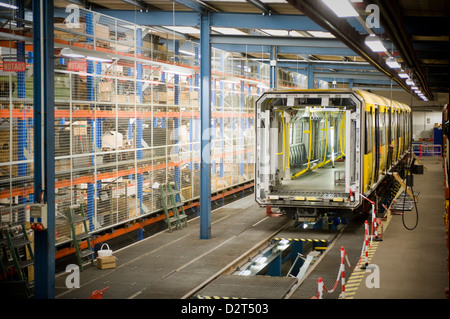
[127, 119]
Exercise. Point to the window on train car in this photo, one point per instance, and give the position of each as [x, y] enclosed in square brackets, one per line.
[368, 133]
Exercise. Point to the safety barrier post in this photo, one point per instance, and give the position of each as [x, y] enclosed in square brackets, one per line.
[379, 236]
[320, 288]
[343, 271]
[366, 246]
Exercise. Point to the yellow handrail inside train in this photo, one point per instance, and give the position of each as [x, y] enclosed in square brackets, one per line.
[309, 146]
[284, 133]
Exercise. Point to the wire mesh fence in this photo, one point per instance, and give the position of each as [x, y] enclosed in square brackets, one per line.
[127, 109]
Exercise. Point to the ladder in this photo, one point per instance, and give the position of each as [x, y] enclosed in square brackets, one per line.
[16, 256]
[171, 198]
[79, 237]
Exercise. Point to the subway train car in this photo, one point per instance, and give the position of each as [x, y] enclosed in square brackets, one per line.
[323, 151]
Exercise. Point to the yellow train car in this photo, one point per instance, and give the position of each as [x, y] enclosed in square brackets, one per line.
[317, 150]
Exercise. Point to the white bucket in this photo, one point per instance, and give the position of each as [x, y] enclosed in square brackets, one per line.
[104, 252]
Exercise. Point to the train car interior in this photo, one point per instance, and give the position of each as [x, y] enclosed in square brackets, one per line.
[310, 148]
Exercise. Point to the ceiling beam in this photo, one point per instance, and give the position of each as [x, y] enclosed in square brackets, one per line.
[86, 4]
[277, 40]
[218, 19]
[392, 19]
[261, 6]
[341, 29]
[196, 6]
[141, 4]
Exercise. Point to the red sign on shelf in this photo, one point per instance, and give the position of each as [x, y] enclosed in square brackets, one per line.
[77, 66]
[14, 66]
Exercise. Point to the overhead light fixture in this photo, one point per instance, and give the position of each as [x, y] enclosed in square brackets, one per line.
[9, 6]
[69, 53]
[177, 70]
[99, 59]
[374, 43]
[393, 63]
[403, 74]
[89, 55]
[410, 82]
[342, 8]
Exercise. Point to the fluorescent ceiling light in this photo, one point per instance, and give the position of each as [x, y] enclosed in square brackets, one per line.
[375, 43]
[297, 34]
[177, 70]
[229, 31]
[9, 6]
[392, 63]
[281, 33]
[187, 30]
[187, 52]
[91, 56]
[231, 81]
[342, 8]
[321, 34]
[403, 75]
[99, 59]
[410, 82]
[69, 53]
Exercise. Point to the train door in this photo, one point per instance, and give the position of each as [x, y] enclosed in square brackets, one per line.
[368, 147]
[377, 143]
[388, 138]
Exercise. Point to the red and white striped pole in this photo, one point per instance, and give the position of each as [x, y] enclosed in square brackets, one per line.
[366, 246]
[343, 271]
[320, 288]
[375, 233]
[374, 224]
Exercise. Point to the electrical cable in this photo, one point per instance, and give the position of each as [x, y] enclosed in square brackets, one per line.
[415, 203]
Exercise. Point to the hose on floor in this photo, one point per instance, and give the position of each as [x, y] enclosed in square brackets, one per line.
[414, 199]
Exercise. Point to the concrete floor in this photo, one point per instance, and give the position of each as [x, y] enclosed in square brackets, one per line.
[170, 265]
[413, 263]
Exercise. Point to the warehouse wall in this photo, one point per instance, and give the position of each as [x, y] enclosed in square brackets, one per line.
[424, 123]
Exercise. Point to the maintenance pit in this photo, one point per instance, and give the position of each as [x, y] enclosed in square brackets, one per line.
[281, 266]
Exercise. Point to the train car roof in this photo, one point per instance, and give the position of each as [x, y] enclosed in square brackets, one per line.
[368, 97]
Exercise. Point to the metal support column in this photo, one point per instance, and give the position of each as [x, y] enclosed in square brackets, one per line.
[310, 75]
[205, 117]
[176, 120]
[273, 67]
[139, 124]
[21, 123]
[241, 138]
[44, 145]
[91, 122]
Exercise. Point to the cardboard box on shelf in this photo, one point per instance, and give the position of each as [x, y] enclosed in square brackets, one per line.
[105, 87]
[62, 165]
[66, 33]
[8, 152]
[112, 139]
[132, 208]
[79, 128]
[79, 228]
[102, 31]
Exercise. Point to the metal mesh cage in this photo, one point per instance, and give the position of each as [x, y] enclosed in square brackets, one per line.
[126, 117]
